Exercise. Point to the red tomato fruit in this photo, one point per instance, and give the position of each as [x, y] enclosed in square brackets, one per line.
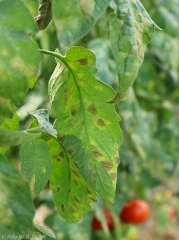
[135, 211]
[172, 212]
[96, 224]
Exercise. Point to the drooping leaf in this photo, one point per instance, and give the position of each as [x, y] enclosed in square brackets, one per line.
[72, 194]
[36, 164]
[74, 18]
[11, 124]
[45, 229]
[19, 54]
[16, 208]
[131, 28]
[42, 117]
[8, 138]
[86, 124]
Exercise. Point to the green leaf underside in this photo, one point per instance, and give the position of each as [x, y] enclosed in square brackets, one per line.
[36, 164]
[72, 194]
[16, 208]
[8, 138]
[42, 117]
[11, 124]
[45, 229]
[19, 57]
[86, 124]
[131, 28]
[83, 14]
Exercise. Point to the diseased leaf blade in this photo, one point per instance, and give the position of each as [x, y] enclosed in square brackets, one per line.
[36, 164]
[19, 54]
[16, 208]
[72, 194]
[83, 14]
[131, 28]
[86, 124]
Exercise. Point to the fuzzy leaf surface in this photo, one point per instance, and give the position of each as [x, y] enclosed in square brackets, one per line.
[36, 164]
[72, 194]
[86, 124]
[131, 28]
[83, 14]
[19, 57]
[16, 208]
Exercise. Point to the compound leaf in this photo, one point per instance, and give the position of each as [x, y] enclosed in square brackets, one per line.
[83, 14]
[19, 57]
[87, 125]
[16, 208]
[131, 28]
[36, 164]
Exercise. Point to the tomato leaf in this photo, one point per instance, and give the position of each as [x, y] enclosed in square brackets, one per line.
[16, 208]
[72, 194]
[131, 28]
[36, 164]
[86, 124]
[83, 14]
[19, 54]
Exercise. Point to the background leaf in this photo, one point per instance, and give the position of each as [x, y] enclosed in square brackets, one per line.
[19, 54]
[83, 14]
[36, 164]
[86, 124]
[16, 208]
[131, 28]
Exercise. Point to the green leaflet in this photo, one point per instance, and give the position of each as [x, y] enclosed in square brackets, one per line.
[72, 194]
[74, 18]
[36, 164]
[8, 138]
[86, 124]
[19, 57]
[11, 124]
[131, 28]
[16, 208]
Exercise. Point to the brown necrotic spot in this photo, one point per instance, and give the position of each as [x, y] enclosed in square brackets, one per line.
[93, 199]
[73, 112]
[77, 200]
[58, 159]
[97, 154]
[61, 138]
[73, 171]
[100, 122]
[70, 151]
[89, 192]
[83, 61]
[63, 207]
[54, 157]
[107, 165]
[73, 210]
[91, 108]
[58, 189]
[113, 176]
[117, 160]
[95, 175]
[75, 182]
[61, 154]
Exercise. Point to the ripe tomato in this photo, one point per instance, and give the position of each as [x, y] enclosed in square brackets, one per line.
[172, 212]
[96, 224]
[135, 211]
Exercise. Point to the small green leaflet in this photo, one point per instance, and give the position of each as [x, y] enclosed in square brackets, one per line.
[45, 229]
[16, 208]
[8, 138]
[19, 59]
[86, 124]
[72, 194]
[131, 28]
[74, 18]
[36, 164]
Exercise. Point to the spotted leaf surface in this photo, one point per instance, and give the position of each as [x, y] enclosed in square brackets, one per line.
[36, 164]
[16, 208]
[19, 57]
[86, 124]
[131, 28]
[74, 18]
[72, 194]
